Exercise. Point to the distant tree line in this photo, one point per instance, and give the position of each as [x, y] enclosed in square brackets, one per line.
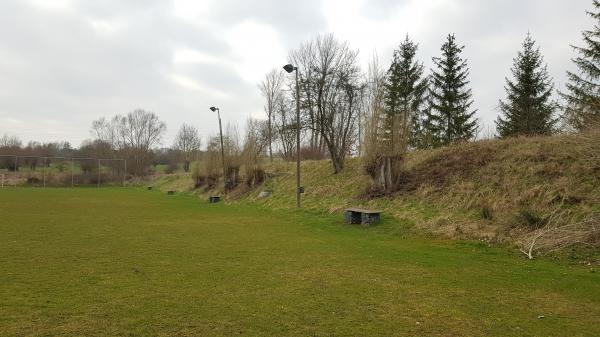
[137, 137]
[13, 146]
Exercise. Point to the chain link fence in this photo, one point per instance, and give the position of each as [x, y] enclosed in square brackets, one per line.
[38, 171]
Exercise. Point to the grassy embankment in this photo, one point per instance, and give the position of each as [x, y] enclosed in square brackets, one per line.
[497, 190]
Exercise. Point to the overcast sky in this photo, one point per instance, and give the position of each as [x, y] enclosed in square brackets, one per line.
[64, 63]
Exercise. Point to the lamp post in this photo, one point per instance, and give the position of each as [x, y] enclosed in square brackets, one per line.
[213, 109]
[289, 68]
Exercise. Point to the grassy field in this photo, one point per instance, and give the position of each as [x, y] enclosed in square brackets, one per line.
[127, 262]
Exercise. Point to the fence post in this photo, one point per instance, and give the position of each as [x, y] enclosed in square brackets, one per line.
[16, 169]
[44, 172]
[72, 170]
[98, 173]
[124, 171]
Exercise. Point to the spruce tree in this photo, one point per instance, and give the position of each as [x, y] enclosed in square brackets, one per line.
[450, 118]
[405, 88]
[583, 96]
[528, 108]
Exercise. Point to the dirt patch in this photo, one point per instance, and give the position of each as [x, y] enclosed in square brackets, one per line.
[451, 164]
[455, 162]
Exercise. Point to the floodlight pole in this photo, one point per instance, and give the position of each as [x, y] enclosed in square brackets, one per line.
[72, 170]
[222, 147]
[289, 68]
[16, 169]
[297, 140]
[98, 173]
[124, 171]
[44, 172]
[222, 150]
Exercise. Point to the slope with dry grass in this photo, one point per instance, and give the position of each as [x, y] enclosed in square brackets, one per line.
[509, 190]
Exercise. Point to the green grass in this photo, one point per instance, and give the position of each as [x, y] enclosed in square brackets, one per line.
[125, 262]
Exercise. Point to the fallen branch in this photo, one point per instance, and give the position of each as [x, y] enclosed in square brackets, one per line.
[554, 236]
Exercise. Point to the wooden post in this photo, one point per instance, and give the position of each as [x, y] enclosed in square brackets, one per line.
[16, 169]
[98, 173]
[44, 172]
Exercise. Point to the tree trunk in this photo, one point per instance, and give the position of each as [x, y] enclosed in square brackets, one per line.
[337, 160]
[338, 164]
[386, 173]
[270, 139]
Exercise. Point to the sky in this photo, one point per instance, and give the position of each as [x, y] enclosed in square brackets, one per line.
[65, 63]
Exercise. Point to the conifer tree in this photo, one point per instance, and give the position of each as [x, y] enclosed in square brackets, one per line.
[405, 87]
[450, 118]
[528, 108]
[583, 96]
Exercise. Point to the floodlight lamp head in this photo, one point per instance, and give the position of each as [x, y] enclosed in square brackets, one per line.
[289, 68]
[213, 109]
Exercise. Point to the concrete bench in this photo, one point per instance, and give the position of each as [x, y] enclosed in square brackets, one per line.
[213, 199]
[265, 193]
[362, 216]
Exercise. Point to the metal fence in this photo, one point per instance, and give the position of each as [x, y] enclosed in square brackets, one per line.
[17, 170]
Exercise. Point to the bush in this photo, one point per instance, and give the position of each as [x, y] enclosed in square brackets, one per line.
[33, 181]
[171, 168]
[487, 213]
[312, 153]
[255, 177]
[201, 177]
[531, 218]
[233, 177]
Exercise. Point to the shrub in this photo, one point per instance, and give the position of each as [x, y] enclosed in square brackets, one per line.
[486, 212]
[202, 176]
[532, 218]
[33, 181]
[312, 153]
[171, 168]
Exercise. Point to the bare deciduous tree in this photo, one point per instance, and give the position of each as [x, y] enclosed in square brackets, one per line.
[187, 143]
[271, 89]
[133, 135]
[284, 121]
[255, 142]
[10, 141]
[379, 154]
[233, 160]
[386, 140]
[304, 59]
[332, 93]
[105, 131]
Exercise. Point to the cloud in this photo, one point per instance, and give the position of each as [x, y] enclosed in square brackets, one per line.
[64, 63]
[56, 5]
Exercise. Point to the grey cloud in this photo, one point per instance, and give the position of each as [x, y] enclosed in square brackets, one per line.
[382, 9]
[58, 73]
[291, 18]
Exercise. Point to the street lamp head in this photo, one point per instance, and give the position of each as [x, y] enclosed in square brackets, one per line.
[213, 109]
[289, 68]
